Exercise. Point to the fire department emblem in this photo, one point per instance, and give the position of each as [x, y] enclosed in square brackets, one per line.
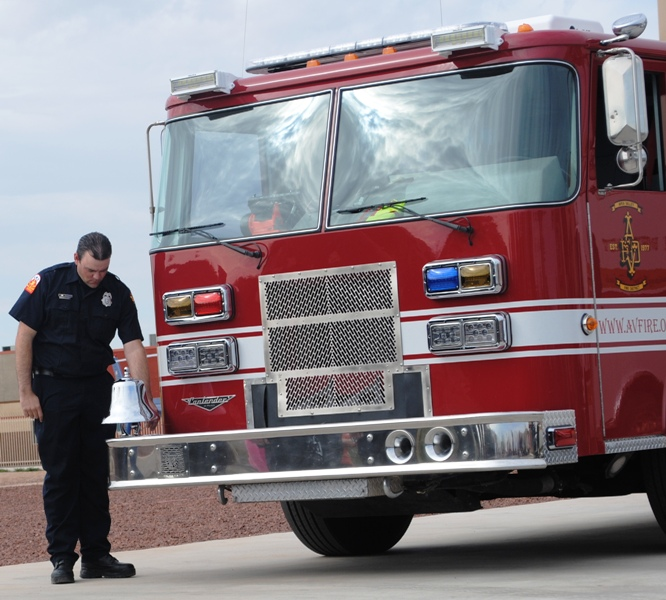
[630, 248]
[208, 403]
[106, 299]
[32, 284]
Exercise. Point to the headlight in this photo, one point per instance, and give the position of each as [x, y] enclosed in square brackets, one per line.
[220, 356]
[469, 333]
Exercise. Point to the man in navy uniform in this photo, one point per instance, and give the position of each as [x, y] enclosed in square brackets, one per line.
[68, 316]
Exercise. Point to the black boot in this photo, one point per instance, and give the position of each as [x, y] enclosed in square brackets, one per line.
[62, 572]
[107, 566]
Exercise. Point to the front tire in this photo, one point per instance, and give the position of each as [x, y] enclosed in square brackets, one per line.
[654, 478]
[345, 536]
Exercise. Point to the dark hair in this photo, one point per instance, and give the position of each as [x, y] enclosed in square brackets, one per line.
[97, 244]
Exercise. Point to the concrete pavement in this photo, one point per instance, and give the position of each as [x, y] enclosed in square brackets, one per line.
[589, 548]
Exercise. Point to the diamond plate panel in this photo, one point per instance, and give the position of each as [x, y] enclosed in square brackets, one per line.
[559, 418]
[307, 490]
[652, 442]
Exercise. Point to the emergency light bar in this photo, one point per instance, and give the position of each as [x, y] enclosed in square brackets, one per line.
[444, 41]
[211, 81]
[335, 53]
[476, 35]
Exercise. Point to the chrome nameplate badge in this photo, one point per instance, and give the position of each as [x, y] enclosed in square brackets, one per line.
[208, 403]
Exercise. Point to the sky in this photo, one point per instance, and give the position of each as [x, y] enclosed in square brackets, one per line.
[81, 80]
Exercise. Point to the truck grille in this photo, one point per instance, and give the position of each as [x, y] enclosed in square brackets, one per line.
[332, 338]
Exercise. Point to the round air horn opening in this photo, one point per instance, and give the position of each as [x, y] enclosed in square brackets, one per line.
[439, 443]
[399, 446]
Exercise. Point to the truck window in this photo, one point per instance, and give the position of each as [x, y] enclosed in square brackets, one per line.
[243, 172]
[464, 141]
[607, 169]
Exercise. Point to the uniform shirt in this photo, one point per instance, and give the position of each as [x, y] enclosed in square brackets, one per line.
[76, 324]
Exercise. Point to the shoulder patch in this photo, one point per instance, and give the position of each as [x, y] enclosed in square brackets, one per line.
[33, 283]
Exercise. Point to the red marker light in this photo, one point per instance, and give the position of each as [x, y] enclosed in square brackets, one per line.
[561, 437]
[208, 303]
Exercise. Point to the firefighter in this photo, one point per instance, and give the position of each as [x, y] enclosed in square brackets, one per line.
[68, 315]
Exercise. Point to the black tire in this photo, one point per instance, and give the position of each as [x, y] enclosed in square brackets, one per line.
[654, 478]
[345, 536]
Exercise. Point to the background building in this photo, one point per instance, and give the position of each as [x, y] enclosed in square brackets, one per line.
[17, 442]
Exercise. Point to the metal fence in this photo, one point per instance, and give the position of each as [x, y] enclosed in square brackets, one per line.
[18, 448]
[17, 443]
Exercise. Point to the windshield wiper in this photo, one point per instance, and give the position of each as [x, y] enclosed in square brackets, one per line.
[192, 229]
[399, 205]
[392, 204]
[201, 230]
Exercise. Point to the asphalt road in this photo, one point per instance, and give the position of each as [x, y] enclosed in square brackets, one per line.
[568, 549]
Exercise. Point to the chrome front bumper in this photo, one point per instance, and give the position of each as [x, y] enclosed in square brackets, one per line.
[370, 449]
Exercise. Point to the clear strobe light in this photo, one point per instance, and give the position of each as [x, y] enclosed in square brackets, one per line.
[475, 35]
[210, 81]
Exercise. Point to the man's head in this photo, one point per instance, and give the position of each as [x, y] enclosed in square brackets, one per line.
[92, 258]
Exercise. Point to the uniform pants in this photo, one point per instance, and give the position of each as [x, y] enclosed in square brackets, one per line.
[73, 450]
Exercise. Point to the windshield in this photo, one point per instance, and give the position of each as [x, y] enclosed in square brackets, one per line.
[243, 172]
[460, 142]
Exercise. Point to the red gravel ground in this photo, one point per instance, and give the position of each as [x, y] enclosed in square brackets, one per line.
[148, 518]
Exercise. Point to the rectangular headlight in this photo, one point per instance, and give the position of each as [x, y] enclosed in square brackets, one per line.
[469, 333]
[214, 356]
[483, 275]
[219, 356]
[182, 358]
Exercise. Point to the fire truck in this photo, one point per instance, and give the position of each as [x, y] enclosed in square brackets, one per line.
[413, 274]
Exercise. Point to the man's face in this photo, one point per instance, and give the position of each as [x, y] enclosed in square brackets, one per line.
[90, 270]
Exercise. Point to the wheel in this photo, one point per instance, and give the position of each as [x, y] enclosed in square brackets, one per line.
[654, 478]
[345, 536]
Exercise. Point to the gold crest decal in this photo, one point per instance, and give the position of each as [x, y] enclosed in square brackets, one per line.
[630, 248]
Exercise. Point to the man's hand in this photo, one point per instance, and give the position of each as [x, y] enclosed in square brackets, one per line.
[31, 406]
[137, 361]
[154, 422]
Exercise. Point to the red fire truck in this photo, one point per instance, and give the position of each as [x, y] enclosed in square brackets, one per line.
[408, 275]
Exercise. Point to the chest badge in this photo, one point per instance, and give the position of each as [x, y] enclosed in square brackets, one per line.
[107, 300]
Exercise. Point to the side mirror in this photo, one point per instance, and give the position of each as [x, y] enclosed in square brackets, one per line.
[624, 94]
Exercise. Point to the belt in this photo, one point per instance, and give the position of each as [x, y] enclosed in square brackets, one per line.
[51, 373]
[42, 371]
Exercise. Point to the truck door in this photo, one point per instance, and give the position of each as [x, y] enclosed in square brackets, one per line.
[628, 233]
